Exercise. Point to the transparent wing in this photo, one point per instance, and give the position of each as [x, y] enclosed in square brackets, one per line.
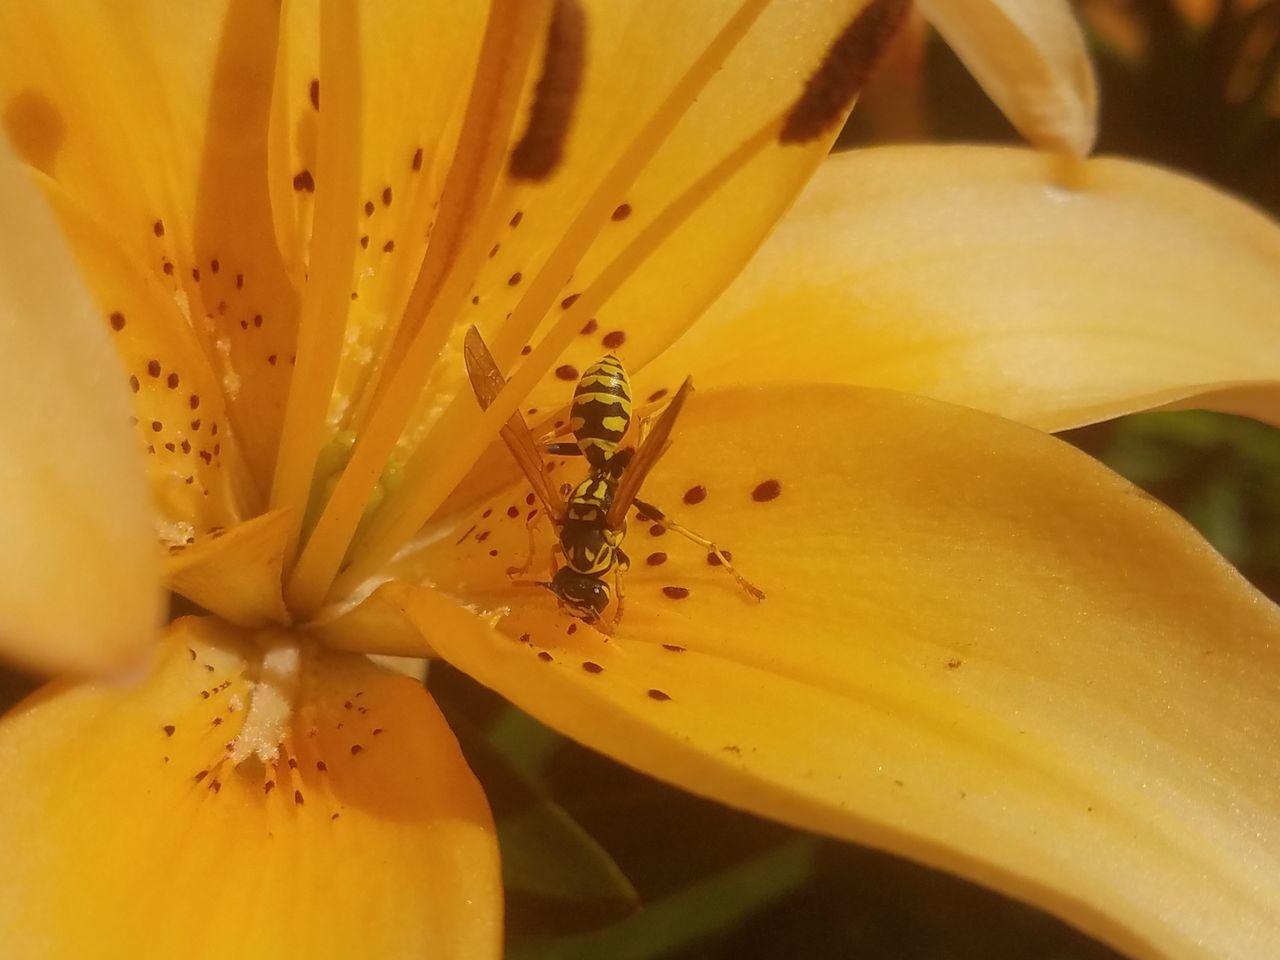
[655, 445]
[487, 381]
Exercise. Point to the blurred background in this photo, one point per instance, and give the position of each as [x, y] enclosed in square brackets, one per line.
[1192, 84]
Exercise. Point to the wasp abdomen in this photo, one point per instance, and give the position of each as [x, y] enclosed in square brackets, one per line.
[601, 410]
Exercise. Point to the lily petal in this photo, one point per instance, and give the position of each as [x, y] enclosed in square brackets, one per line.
[153, 123]
[234, 573]
[979, 649]
[977, 276]
[1030, 58]
[125, 835]
[79, 582]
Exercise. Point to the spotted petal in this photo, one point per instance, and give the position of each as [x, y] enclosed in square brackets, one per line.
[79, 584]
[979, 649]
[126, 832]
[981, 276]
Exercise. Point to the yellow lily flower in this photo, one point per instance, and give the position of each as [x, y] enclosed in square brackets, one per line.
[979, 649]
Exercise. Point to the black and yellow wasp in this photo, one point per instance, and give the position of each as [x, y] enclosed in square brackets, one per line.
[592, 521]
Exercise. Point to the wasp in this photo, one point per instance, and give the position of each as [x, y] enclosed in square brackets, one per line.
[592, 521]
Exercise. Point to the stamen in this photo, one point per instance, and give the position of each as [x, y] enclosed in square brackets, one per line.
[451, 260]
[325, 300]
[844, 71]
[542, 147]
[505, 54]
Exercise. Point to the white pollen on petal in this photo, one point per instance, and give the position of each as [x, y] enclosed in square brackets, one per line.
[271, 701]
[174, 531]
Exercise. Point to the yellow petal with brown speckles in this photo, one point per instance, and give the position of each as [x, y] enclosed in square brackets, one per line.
[979, 649]
[153, 121]
[976, 276]
[127, 834]
[79, 582]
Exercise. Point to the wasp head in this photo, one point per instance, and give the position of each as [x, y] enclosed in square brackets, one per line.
[585, 595]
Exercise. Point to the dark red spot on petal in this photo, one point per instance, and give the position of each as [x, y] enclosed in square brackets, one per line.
[590, 667]
[621, 212]
[313, 91]
[303, 182]
[567, 372]
[569, 301]
[516, 218]
[514, 279]
[117, 321]
[544, 656]
[614, 339]
[766, 491]
[675, 593]
[153, 367]
[297, 797]
[656, 559]
[659, 695]
[673, 647]
[416, 163]
[169, 729]
[695, 494]
[356, 749]
[657, 530]
[158, 228]
[590, 327]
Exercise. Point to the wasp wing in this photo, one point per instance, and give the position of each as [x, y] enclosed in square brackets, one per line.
[487, 381]
[654, 446]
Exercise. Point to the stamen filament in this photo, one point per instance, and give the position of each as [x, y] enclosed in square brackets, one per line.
[507, 49]
[326, 296]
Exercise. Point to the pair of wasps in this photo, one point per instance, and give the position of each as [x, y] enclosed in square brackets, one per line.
[592, 521]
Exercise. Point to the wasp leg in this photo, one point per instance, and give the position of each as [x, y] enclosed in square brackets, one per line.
[621, 564]
[617, 598]
[662, 517]
[524, 568]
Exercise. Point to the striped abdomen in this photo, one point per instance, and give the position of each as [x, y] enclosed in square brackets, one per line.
[601, 410]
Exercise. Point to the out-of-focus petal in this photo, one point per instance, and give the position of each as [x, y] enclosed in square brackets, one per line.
[79, 584]
[126, 833]
[976, 275]
[1030, 57]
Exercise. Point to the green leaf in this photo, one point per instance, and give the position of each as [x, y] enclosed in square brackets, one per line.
[698, 911]
[558, 879]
